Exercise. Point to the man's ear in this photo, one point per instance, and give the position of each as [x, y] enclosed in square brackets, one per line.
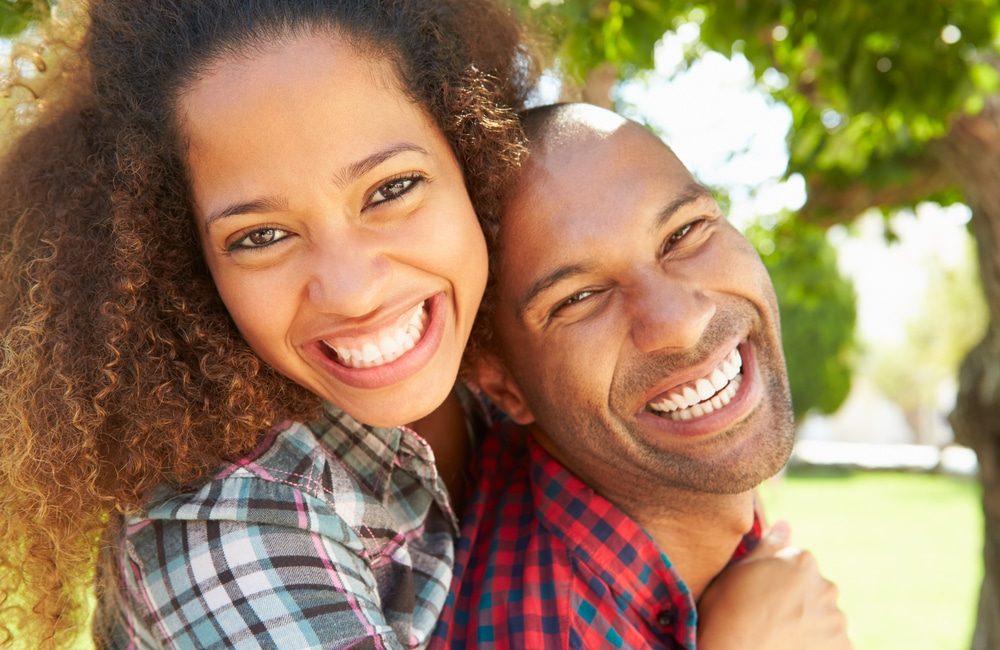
[492, 376]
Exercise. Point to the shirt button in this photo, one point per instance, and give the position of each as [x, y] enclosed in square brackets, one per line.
[665, 618]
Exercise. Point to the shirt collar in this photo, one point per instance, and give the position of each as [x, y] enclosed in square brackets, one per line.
[372, 453]
[368, 452]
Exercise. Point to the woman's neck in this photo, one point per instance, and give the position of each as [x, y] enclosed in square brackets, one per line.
[445, 431]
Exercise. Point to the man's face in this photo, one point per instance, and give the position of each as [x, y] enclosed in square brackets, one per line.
[638, 328]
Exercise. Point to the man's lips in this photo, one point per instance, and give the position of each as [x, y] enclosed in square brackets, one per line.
[707, 393]
[735, 401]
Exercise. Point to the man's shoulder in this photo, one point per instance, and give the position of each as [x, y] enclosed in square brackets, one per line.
[506, 442]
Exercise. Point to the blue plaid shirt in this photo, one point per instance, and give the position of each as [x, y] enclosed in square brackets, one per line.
[331, 534]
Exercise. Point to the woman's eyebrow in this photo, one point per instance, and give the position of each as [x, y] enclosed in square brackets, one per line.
[361, 167]
[349, 173]
[261, 204]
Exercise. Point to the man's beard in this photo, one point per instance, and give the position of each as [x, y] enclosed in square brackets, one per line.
[761, 454]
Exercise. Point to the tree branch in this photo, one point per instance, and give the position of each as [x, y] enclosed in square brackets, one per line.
[838, 200]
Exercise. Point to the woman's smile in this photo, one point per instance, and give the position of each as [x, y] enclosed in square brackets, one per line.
[388, 355]
[383, 346]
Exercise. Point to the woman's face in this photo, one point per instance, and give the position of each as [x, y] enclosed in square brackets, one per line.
[336, 224]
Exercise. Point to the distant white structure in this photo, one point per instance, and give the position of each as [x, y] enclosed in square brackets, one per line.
[866, 416]
[870, 431]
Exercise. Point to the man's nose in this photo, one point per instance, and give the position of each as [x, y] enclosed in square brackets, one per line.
[348, 277]
[669, 313]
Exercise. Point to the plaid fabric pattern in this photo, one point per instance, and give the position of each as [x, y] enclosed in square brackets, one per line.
[546, 562]
[329, 535]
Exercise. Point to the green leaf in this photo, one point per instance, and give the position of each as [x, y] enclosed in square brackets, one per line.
[818, 312]
[16, 16]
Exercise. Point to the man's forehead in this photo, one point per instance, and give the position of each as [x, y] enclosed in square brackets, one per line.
[582, 165]
[571, 124]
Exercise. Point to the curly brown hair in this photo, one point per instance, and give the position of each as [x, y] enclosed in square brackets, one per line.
[120, 368]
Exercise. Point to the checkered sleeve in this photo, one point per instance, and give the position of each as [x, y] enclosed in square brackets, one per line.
[236, 584]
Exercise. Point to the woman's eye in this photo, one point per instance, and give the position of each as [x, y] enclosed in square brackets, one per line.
[393, 190]
[258, 238]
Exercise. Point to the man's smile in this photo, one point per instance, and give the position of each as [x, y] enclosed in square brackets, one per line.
[696, 408]
[704, 395]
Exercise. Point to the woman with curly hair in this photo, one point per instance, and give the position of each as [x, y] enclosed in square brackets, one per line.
[241, 255]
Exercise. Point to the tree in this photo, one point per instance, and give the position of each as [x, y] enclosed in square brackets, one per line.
[818, 312]
[16, 15]
[893, 104]
[949, 321]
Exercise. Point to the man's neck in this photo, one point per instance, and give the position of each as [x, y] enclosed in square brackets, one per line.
[698, 532]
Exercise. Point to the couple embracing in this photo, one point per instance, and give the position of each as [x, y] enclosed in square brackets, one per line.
[244, 262]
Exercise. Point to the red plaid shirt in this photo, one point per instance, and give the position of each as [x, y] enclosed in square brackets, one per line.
[546, 562]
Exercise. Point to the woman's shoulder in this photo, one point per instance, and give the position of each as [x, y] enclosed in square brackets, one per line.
[299, 527]
[309, 475]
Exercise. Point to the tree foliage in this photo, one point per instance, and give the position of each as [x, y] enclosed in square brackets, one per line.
[818, 312]
[870, 84]
[16, 15]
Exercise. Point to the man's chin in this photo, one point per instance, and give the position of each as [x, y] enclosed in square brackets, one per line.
[745, 465]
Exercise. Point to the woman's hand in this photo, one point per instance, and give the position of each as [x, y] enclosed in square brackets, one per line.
[772, 599]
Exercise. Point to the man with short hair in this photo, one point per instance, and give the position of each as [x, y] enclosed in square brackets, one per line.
[636, 348]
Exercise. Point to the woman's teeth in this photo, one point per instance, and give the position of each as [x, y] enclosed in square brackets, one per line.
[704, 395]
[386, 345]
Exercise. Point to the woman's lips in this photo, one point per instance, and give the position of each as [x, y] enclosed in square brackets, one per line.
[389, 355]
[384, 346]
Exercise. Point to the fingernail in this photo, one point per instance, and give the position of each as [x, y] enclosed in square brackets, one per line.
[780, 532]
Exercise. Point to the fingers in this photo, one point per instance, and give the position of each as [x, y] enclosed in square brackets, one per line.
[776, 538]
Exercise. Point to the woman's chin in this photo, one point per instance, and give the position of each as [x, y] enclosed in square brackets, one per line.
[400, 407]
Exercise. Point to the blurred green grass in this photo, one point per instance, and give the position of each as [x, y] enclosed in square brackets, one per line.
[904, 549]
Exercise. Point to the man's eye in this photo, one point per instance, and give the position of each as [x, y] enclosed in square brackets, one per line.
[258, 238]
[574, 299]
[678, 235]
[392, 190]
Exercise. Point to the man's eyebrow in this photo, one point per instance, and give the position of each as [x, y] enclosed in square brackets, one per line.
[690, 194]
[349, 173]
[546, 281]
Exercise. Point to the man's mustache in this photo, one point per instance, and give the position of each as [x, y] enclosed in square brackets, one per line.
[649, 370]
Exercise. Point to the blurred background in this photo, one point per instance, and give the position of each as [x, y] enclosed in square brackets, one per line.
[858, 147]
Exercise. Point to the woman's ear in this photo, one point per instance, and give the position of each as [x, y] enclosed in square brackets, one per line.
[492, 376]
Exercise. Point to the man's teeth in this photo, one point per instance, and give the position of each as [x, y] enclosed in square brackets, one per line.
[385, 346]
[704, 395]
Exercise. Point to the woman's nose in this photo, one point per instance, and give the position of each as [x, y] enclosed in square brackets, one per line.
[349, 279]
